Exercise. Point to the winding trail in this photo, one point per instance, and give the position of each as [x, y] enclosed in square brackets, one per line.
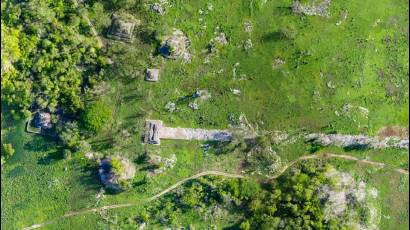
[217, 173]
[179, 183]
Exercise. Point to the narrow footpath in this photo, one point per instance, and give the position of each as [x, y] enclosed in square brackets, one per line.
[217, 173]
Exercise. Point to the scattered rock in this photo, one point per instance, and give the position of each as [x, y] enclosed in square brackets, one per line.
[236, 92]
[356, 141]
[202, 94]
[152, 75]
[170, 106]
[316, 7]
[330, 85]
[193, 105]
[248, 44]
[89, 155]
[219, 41]
[277, 62]
[176, 46]
[159, 7]
[170, 162]
[248, 26]
[210, 7]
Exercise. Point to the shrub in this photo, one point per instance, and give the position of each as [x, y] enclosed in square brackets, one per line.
[96, 116]
[116, 166]
[8, 150]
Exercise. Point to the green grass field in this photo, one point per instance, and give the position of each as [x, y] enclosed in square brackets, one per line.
[365, 58]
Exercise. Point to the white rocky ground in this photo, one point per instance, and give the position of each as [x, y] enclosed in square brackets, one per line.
[357, 141]
[346, 193]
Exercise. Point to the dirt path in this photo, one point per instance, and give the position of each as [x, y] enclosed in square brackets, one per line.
[179, 183]
[217, 173]
[340, 156]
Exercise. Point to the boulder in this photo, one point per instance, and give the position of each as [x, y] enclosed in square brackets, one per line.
[152, 75]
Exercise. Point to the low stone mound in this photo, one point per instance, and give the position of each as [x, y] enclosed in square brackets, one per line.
[122, 27]
[112, 170]
[175, 46]
[314, 8]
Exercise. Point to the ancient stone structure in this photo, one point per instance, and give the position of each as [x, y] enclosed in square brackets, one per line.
[42, 120]
[155, 131]
[152, 74]
[122, 27]
[176, 46]
[152, 135]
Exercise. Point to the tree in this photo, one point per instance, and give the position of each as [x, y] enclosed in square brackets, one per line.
[67, 154]
[8, 150]
[69, 135]
[96, 116]
[116, 165]
[245, 225]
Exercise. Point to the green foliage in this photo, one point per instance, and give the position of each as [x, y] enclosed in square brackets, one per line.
[7, 150]
[69, 135]
[291, 200]
[96, 116]
[67, 154]
[116, 165]
[49, 55]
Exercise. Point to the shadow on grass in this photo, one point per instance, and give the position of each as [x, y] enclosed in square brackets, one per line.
[356, 147]
[89, 177]
[51, 157]
[103, 144]
[40, 143]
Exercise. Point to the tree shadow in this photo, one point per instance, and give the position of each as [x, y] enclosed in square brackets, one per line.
[356, 147]
[272, 37]
[90, 178]
[148, 37]
[51, 157]
[38, 145]
[101, 145]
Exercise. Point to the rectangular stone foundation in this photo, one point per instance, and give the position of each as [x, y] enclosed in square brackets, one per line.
[155, 131]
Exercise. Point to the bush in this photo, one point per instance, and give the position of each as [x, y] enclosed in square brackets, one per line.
[116, 166]
[8, 150]
[96, 116]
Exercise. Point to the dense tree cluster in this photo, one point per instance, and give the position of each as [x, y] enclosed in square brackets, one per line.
[291, 202]
[49, 55]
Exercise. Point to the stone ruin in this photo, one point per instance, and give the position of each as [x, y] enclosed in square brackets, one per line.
[155, 130]
[42, 120]
[109, 178]
[152, 133]
[315, 8]
[176, 46]
[152, 74]
[107, 175]
[122, 27]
